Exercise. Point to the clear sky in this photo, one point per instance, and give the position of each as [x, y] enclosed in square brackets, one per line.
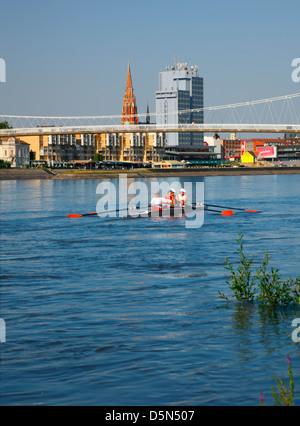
[70, 57]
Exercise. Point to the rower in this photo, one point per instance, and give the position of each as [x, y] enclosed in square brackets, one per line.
[157, 201]
[169, 200]
[182, 198]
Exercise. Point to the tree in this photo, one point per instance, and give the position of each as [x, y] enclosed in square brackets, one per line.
[98, 157]
[5, 164]
[5, 125]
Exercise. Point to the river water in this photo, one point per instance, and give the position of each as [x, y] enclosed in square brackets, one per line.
[126, 311]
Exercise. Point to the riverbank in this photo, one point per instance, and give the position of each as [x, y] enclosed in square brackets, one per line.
[26, 174]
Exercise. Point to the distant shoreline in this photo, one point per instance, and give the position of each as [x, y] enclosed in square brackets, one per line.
[30, 174]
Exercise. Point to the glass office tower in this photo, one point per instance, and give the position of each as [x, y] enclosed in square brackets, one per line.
[180, 89]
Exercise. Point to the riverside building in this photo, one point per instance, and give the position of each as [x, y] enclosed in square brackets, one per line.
[58, 149]
[131, 146]
[285, 150]
[15, 152]
[180, 89]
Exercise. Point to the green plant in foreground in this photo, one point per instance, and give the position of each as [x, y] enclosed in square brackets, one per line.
[265, 286]
[283, 395]
[273, 291]
[242, 281]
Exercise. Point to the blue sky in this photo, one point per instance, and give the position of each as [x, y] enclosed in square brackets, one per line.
[70, 57]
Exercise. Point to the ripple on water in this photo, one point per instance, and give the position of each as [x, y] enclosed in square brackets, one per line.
[106, 311]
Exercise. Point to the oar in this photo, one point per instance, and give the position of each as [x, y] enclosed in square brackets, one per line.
[222, 212]
[232, 208]
[77, 216]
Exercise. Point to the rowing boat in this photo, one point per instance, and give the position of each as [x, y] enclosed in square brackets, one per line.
[166, 212]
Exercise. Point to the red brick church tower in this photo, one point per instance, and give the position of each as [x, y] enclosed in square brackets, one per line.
[129, 114]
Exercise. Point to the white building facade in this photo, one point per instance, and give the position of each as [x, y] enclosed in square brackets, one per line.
[15, 152]
[180, 89]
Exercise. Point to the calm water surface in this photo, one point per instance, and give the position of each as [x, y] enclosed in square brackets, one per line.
[126, 312]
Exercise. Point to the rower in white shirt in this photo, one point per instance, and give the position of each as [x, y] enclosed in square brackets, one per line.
[182, 198]
[157, 201]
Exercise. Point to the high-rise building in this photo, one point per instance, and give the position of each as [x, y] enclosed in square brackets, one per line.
[129, 114]
[180, 89]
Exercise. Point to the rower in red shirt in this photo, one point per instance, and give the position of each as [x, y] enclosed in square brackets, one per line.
[169, 200]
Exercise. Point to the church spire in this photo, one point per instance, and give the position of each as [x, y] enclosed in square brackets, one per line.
[129, 78]
[129, 114]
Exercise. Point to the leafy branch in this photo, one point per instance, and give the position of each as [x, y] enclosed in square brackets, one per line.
[265, 286]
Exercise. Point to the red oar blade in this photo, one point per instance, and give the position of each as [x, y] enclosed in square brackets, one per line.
[76, 216]
[222, 212]
[227, 213]
[252, 211]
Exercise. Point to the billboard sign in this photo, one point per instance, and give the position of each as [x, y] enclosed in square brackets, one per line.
[243, 147]
[267, 151]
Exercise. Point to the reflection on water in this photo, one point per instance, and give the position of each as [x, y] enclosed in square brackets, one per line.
[115, 311]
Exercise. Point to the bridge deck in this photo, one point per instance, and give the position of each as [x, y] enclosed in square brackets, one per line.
[188, 128]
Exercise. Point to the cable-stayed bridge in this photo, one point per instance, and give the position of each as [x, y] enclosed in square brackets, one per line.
[273, 115]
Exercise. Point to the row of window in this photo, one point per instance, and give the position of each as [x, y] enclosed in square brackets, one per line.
[19, 153]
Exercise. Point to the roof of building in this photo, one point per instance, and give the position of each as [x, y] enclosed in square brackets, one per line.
[15, 142]
[192, 153]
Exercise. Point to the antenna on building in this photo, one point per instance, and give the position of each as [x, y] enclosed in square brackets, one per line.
[175, 59]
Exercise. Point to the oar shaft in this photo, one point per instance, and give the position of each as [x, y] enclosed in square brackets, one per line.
[98, 213]
[231, 208]
[224, 207]
[222, 212]
[92, 214]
